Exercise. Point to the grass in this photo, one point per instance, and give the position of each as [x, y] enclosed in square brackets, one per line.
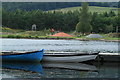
[9, 30]
[111, 36]
[10, 33]
[91, 9]
[51, 37]
[35, 37]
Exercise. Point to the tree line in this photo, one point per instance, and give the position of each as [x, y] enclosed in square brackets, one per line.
[19, 19]
[45, 6]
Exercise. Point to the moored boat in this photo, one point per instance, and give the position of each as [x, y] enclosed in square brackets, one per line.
[26, 56]
[69, 57]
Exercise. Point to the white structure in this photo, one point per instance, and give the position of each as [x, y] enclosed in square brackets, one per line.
[94, 36]
[33, 27]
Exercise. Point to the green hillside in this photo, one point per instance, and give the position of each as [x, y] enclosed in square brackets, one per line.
[91, 9]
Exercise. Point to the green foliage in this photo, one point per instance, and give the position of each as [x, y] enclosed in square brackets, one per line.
[20, 20]
[108, 28]
[11, 36]
[83, 28]
[44, 20]
[78, 27]
[112, 13]
[28, 6]
[84, 22]
[114, 35]
[101, 23]
[14, 36]
[9, 30]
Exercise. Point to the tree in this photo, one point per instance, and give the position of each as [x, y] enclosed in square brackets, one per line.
[83, 25]
[112, 13]
[109, 28]
[105, 14]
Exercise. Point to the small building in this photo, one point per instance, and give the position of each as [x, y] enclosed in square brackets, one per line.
[34, 27]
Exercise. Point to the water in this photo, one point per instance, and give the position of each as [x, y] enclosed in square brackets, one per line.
[59, 45]
[105, 70]
[51, 70]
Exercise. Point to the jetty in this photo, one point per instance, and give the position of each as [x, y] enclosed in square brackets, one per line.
[105, 57]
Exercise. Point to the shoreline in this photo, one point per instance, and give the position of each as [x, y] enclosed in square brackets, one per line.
[81, 39]
[99, 40]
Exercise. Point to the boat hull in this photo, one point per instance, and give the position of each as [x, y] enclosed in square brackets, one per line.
[69, 58]
[31, 56]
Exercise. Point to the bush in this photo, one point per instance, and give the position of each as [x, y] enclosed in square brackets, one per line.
[36, 37]
[11, 36]
[108, 28]
[18, 36]
[114, 35]
[29, 36]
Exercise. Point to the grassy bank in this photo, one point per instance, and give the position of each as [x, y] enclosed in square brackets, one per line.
[105, 37]
[45, 34]
[35, 37]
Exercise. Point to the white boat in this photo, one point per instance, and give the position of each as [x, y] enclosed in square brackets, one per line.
[72, 66]
[68, 57]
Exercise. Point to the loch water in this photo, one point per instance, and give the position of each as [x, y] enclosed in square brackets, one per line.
[59, 70]
[59, 45]
[48, 70]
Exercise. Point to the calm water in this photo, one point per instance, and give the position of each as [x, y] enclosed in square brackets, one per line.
[58, 70]
[58, 45]
[43, 70]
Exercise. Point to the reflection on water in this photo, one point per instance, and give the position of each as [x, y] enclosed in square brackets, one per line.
[60, 70]
[58, 45]
[73, 66]
[33, 67]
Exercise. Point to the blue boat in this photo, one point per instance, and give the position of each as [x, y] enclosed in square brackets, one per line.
[27, 56]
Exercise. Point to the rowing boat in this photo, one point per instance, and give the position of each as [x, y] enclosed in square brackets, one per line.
[68, 57]
[26, 56]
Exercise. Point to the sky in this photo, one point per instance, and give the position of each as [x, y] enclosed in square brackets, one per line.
[59, 0]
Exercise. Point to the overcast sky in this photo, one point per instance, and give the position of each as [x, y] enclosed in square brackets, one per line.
[59, 0]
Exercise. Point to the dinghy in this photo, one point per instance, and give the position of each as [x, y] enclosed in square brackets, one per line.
[26, 56]
[68, 57]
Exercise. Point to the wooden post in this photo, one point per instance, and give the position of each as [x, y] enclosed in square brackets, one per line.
[116, 29]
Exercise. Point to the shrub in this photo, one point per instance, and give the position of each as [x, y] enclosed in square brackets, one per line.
[114, 35]
[11, 36]
[18, 36]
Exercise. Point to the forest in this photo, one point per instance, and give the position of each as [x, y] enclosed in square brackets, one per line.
[22, 19]
[45, 6]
